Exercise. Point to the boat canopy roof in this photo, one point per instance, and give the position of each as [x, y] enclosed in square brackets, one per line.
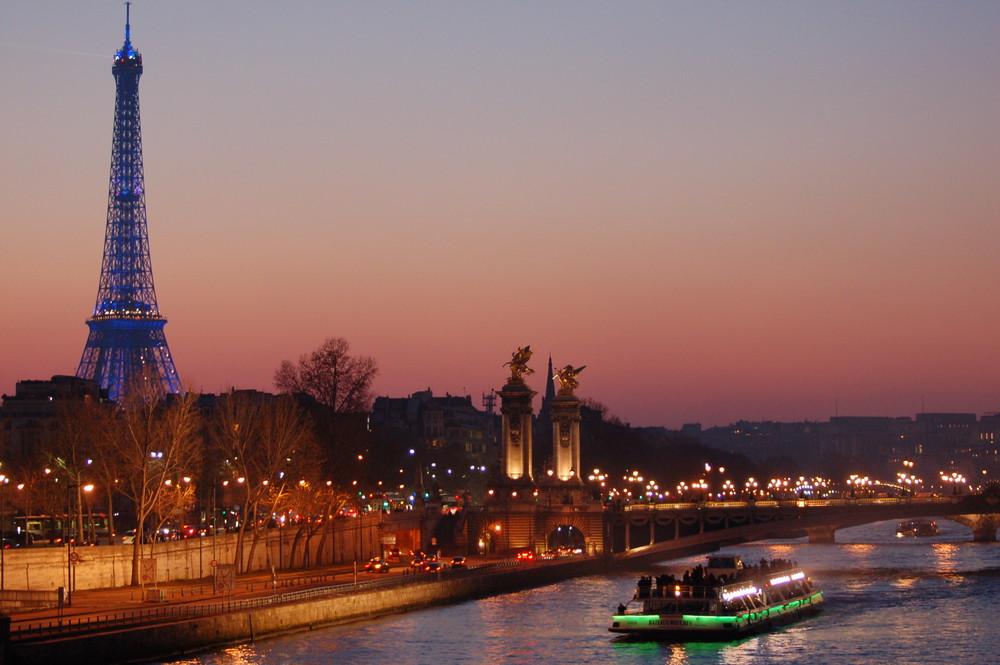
[725, 562]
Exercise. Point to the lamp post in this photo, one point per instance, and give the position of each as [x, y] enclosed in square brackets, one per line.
[91, 536]
[955, 478]
[3, 523]
[67, 521]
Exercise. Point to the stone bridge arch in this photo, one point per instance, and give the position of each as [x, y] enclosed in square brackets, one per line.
[564, 530]
[578, 529]
[652, 529]
[984, 527]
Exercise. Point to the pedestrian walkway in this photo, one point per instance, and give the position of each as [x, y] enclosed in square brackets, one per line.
[94, 604]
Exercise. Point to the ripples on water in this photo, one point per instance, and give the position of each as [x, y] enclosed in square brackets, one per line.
[889, 601]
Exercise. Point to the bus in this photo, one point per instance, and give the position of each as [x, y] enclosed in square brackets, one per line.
[56, 529]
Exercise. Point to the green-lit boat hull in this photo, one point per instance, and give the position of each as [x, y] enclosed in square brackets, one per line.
[717, 627]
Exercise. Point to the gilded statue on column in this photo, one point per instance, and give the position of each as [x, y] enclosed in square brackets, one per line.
[567, 379]
[519, 364]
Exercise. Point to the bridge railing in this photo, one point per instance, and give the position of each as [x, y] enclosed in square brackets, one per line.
[128, 618]
[790, 503]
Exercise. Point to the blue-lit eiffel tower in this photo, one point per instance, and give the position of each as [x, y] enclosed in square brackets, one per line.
[126, 341]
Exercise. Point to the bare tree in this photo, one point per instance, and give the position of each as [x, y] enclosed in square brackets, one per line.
[38, 493]
[155, 441]
[80, 428]
[332, 376]
[174, 500]
[313, 506]
[267, 444]
[109, 468]
[339, 386]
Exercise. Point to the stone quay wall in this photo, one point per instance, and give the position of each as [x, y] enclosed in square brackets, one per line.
[188, 636]
[41, 568]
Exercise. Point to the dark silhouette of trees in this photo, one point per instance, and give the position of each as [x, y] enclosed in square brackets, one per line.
[80, 427]
[316, 504]
[267, 447]
[336, 388]
[148, 442]
[332, 376]
[616, 448]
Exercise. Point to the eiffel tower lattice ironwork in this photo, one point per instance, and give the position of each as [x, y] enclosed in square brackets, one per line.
[126, 341]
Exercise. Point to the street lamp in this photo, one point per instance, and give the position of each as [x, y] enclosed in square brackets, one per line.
[3, 517]
[857, 482]
[91, 536]
[956, 479]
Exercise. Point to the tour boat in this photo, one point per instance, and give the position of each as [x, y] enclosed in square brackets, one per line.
[704, 605]
[917, 528]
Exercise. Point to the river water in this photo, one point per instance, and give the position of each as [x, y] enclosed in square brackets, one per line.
[888, 600]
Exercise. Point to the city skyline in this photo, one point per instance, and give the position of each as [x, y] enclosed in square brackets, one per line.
[769, 211]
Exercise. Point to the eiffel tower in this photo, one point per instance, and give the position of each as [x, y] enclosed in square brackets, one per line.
[126, 341]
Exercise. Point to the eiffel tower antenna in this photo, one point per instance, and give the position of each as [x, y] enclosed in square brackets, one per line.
[126, 342]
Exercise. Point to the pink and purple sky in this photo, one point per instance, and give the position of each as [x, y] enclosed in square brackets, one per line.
[755, 210]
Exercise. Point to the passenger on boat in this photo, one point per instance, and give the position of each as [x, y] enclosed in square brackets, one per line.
[696, 577]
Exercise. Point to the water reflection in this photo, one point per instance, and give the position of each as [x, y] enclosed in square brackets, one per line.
[885, 598]
[786, 644]
[782, 551]
[945, 556]
[628, 650]
[244, 654]
[861, 550]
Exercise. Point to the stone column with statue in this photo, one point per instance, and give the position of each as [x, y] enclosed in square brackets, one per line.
[566, 426]
[516, 409]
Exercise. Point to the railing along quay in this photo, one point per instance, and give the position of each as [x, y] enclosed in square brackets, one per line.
[98, 622]
[790, 503]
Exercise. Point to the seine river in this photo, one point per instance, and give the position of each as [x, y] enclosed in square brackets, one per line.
[889, 601]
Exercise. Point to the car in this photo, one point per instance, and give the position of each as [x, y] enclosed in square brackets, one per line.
[566, 550]
[459, 562]
[377, 565]
[394, 554]
[417, 562]
[525, 556]
[433, 567]
[160, 535]
[22, 539]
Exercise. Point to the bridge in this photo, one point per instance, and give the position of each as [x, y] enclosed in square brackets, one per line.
[649, 530]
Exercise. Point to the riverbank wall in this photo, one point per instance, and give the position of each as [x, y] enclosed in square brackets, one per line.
[42, 568]
[153, 642]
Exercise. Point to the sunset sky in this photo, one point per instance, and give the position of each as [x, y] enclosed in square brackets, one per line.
[725, 210]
